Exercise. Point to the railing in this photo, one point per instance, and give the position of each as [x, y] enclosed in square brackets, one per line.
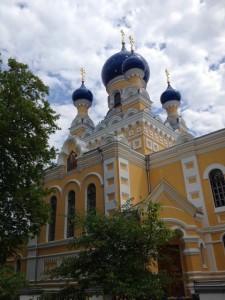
[48, 263]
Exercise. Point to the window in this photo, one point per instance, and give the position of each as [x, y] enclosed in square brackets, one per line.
[224, 241]
[91, 198]
[117, 99]
[70, 214]
[18, 264]
[217, 182]
[203, 255]
[51, 225]
[72, 161]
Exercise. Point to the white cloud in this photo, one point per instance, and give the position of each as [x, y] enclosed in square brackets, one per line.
[56, 37]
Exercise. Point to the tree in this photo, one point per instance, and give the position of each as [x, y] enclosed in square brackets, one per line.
[26, 121]
[10, 283]
[117, 254]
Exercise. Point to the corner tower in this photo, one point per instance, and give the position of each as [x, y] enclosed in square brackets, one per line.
[170, 100]
[82, 100]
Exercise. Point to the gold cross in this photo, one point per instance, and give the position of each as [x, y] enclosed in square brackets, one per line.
[82, 74]
[122, 36]
[167, 76]
[131, 43]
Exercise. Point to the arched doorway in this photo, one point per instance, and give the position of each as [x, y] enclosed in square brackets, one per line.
[171, 264]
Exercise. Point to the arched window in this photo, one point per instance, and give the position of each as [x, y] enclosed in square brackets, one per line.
[91, 198]
[218, 187]
[117, 99]
[51, 225]
[71, 161]
[70, 214]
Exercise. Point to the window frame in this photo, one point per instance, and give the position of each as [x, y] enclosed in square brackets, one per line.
[88, 209]
[67, 235]
[217, 187]
[117, 99]
[71, 162]
[52, 226]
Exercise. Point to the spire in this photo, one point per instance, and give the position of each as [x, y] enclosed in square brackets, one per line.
[132, 43]
[82, 75]
[122, 39]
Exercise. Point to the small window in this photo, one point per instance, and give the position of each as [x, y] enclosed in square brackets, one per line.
[91, 198]
[72, 161]
[203, 255]
[224, 241]
[117, 99]
[18, 264]
[217, 182]
[51, 226]
[70, 214]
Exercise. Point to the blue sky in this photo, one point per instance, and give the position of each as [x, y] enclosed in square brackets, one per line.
[56, 37]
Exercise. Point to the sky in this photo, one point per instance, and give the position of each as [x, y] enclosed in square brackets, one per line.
[57, 37]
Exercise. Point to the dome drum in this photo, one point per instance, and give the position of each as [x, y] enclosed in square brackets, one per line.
[82, 102]
[134, 72]
[171, 107]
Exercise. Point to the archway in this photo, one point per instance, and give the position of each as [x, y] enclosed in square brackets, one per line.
[171, 263]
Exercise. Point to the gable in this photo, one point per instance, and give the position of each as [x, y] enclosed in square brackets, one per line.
[171, 199]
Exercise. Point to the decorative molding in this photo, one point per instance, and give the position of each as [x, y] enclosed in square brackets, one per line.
[182, 224]
[203, 144]
[126, 119]
[191, 251]
[211, 167]
[57, 187]
[180, 200]
[124, 173]
[77, 182]
[110, 190]
[92, 174]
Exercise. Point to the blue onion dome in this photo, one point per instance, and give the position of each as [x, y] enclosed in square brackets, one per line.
[113, 67]
[132, 62]
[170, 94]
[82, 93]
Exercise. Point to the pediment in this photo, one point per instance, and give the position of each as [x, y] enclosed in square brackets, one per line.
[177, 199]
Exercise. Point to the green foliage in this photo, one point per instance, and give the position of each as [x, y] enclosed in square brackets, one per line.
[10, 283]
[26, 121]
[115, 253]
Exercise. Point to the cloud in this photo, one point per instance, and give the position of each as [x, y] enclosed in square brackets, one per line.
[57, 37]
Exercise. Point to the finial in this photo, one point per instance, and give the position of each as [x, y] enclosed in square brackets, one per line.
[122, 39]
[131, 43]
[82, 74]
[167, 76]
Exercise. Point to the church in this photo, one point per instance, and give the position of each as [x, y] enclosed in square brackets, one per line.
[132, 153]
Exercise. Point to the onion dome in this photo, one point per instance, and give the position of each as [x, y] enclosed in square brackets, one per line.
[82, 93]
[113, 67]
[133, 62]
[170, 94]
